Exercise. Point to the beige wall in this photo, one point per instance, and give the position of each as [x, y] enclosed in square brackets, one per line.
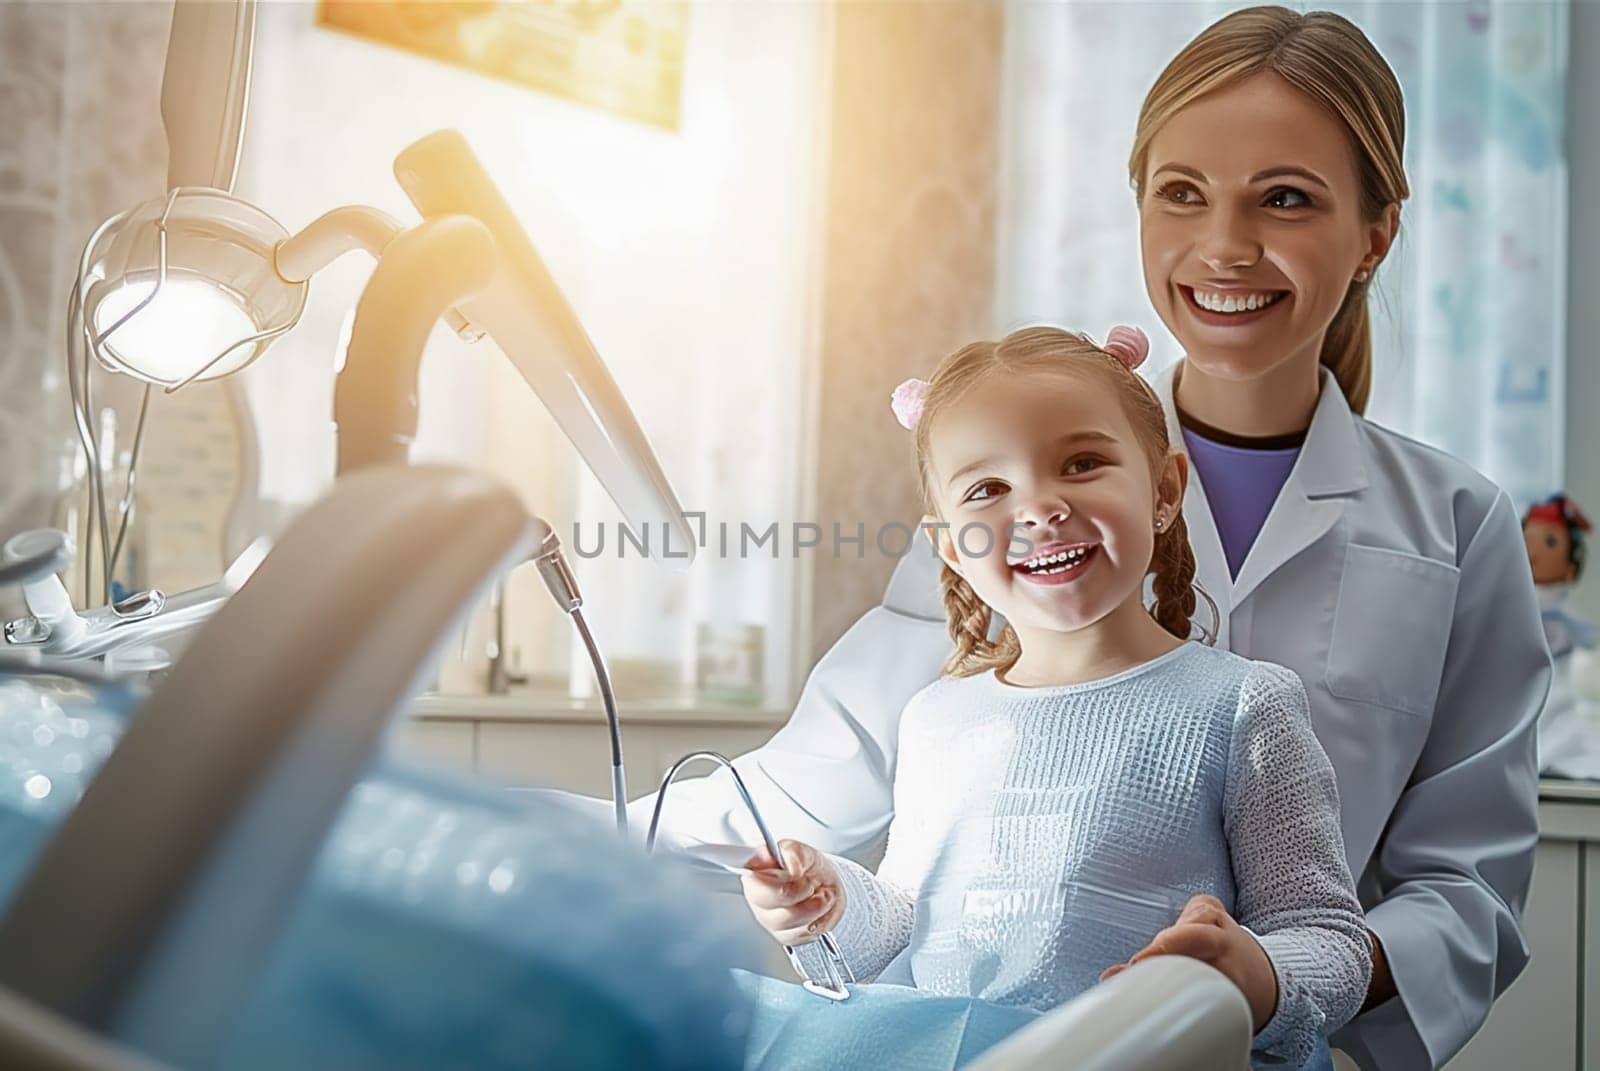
[910, 261]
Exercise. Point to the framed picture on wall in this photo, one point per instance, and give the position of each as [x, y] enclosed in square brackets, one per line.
[621, 56]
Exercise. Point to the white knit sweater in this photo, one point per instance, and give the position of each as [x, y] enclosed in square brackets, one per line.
[1041, 835]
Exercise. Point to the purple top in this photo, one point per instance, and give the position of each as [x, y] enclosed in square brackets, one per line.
[1242, 477]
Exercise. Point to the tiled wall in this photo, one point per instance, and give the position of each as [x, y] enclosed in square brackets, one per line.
[78, 86]
[910, 258]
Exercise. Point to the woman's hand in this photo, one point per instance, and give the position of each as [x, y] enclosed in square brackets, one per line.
[1382, 988]
[800, 901]
[1206, 932]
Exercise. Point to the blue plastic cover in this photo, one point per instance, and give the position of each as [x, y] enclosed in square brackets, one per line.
[446, 923]
[883, 1027]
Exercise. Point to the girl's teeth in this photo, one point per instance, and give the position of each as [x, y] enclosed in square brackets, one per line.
[1055, 563]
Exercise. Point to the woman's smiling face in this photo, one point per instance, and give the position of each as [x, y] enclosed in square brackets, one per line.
[1252, 228]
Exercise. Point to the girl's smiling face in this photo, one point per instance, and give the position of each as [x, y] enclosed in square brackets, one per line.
[1252, 227]
[1049, 497]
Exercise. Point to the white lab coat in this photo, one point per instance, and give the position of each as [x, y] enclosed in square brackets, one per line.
[1394, 580]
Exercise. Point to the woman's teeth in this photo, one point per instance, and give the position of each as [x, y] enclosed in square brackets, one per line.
[1056, 563]
[1215, 301]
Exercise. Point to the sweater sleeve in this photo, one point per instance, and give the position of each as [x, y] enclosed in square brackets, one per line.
[1294, 890]
[880, 908]
[876, 926]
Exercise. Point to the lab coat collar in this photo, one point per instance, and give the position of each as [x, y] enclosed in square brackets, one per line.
[1332, 461]
[1330, 468]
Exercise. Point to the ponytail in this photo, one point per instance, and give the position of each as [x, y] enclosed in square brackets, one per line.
[1173, 566]
[968, 617]
[1347, 348]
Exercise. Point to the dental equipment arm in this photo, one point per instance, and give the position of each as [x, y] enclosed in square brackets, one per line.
[32, 559]
[527, 315]
[205, 90]
[421, 273]
[425, 273]
[469, 251]
[343, 230]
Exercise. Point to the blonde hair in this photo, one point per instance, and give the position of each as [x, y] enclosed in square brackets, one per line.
[1051, 349]
[1328, 59]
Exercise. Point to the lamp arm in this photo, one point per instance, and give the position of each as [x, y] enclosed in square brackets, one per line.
[344, 230]
[330, 236]
[422, 273]
[205, 90]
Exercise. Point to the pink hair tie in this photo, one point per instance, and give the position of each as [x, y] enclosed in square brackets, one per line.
[1128, 345]
[907, 402]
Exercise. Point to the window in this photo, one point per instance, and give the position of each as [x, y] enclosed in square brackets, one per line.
[685, 254]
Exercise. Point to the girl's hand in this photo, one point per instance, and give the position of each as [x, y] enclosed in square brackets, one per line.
[800, 901]
[1206, 932]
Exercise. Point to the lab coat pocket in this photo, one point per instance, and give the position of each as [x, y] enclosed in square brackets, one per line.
[1391, 629]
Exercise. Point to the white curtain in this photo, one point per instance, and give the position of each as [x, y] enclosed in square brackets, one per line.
[1469, 311]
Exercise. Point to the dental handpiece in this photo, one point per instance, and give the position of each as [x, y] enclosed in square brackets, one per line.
[836, 970]
[738, 784]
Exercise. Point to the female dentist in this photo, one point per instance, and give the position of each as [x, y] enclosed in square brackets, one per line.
[1390, 576]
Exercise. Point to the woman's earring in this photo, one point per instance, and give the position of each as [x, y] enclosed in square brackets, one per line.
[1361, 276]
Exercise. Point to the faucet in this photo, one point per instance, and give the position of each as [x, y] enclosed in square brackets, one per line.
[500, 679]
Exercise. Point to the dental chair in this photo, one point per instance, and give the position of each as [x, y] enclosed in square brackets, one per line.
[1164, 1014]
[242, 884]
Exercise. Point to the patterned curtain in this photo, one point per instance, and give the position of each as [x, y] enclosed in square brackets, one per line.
[80, 139]
[1469, 311]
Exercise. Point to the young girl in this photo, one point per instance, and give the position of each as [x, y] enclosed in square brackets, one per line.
[1064, 789]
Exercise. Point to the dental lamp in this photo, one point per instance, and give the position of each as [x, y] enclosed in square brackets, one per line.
[197, 284]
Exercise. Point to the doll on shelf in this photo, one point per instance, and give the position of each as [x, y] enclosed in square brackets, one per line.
[1569, 739]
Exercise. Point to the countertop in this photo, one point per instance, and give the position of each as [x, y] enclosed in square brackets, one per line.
[1579, 791]
[537, 707]
[1569, 810]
